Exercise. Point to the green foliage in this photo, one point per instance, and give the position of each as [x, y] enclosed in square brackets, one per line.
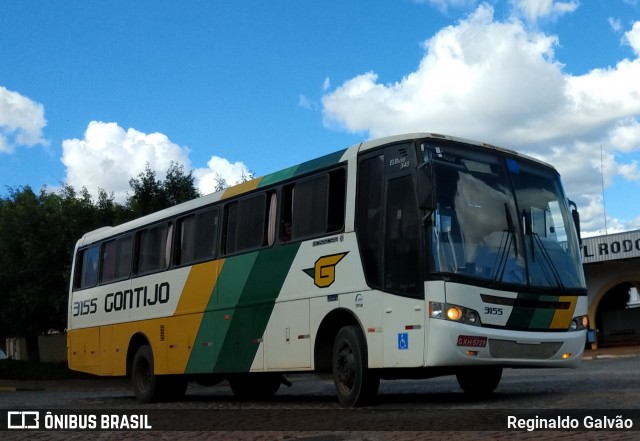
[178, 186]
[28, 370]
[150, 194]
[38, 232]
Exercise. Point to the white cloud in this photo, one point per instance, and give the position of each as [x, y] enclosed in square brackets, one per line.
[220, 168]
[533, 10]
[625, 135]
[21, 121]
[444, 5]
[109, 156]
[500, 82]
[630, 171]
[615, 24]
[326, 84]
[477, 79]
[633, 38]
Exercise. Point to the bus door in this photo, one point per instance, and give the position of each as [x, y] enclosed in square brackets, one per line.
[403, 306]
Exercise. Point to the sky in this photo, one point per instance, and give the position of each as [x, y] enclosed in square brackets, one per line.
[91, 92]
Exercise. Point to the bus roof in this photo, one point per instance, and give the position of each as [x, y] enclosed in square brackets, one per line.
[280, 176]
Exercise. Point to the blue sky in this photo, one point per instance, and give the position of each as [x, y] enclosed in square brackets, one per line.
[92, 91]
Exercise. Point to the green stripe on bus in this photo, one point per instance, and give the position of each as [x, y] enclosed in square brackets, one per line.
[527, 316]
[239, 310]
[278, 176]
[520, 317]
[542, 317]
[305, 167]
[218, 313]
[321, 162]
[250, 318]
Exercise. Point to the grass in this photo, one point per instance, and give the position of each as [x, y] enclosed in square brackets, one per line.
[35, 370]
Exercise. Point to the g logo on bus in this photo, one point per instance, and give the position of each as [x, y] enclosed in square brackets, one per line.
[324, 271]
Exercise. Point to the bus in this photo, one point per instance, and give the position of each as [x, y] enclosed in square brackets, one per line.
[412, 256]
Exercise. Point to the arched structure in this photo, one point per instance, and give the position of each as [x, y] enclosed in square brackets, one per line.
[612, 270]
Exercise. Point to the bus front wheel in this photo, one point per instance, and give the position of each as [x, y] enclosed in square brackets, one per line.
[479, 381]
[355, 383]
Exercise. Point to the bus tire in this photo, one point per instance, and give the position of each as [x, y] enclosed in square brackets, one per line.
[479, 381]
[255, 386]
[355, 384]
[144, 381]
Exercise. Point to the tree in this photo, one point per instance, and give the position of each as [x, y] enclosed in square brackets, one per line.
[148, 195]
[221, 183]
[151, 194]
[38, 233]
[178, 186]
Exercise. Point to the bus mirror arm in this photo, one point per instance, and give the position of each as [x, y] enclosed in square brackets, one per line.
[576, 218]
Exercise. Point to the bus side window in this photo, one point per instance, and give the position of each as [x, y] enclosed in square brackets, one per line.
[154, 248]
[108, 261]
[197, 236]
[87, 267]
[245, 224]
[402, 238]
[313, 207]
[337, 199]
[310, 207]
[286, 213]
[116, 259]
[124, 253]
[368, 217]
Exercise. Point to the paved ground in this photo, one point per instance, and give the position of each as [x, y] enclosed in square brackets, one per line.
[613, 352]
[119, 383]
[69, 386]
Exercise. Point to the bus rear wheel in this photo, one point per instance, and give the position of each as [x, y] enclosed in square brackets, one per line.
[479, 381]
[355, 384]
[149, 387]
[143, 379]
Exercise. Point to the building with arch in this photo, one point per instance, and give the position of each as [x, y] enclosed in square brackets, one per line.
[612, 270]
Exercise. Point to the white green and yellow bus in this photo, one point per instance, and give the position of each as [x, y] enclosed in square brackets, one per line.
[411, 256]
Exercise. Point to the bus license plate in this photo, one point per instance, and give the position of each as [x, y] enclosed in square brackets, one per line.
[472, 341]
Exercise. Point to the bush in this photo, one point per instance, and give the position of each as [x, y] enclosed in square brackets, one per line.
[30, 370]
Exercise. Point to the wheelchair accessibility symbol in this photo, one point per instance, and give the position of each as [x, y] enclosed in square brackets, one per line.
[403, 341]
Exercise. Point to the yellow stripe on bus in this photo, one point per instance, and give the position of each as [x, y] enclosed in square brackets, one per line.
[241, 188]
[198, 289]
[562, 317]
[103, 350]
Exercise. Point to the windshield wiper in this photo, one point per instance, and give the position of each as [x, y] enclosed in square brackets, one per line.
[507, 240]
[547, 261]
[500, 264]
[511, 228]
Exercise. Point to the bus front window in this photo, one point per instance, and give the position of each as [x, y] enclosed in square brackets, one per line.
[501, 221]
[551, 242]
[475, 232]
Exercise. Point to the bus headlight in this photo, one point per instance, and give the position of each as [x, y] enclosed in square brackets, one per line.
[579, 323]
[454, 313]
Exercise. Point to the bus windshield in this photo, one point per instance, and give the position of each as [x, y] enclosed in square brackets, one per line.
[502, 220]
